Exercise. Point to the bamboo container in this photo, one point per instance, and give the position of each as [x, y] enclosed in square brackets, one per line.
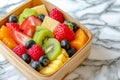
[66, 68]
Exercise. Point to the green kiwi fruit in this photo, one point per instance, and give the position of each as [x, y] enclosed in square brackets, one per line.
[26, 13]
[52, 48]
[41, 35]
[37, 31]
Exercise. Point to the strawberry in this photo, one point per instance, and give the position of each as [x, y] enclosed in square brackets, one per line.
[29, 24]
[19, 50]
[13, 25]
[36, 52]
[29, 31]
[20, 38]
[64, 32]
[57, 15]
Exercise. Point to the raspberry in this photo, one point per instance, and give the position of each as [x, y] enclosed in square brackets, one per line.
[64, 32]
[12, 26]
[19, 50]
[36, 52]
[57, 15]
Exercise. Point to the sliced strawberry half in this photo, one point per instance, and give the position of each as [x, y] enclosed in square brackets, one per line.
[29, 31]
[29, 24]
[20, 38]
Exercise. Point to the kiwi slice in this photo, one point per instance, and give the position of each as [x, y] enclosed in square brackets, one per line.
[52, 48]
[26, 13]
[37, 31]
[42, 36]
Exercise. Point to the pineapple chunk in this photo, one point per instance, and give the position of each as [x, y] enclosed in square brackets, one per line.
[50, 23]
[47, 71]
[57, 63]
[65, 53]
[62, 58]
[52, 67]
[41, 9]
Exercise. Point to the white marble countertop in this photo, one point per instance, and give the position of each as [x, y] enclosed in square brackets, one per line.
[102, 17]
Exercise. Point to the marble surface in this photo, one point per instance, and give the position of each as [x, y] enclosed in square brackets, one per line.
[102, 17]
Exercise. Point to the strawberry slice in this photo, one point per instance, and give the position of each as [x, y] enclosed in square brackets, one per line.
[20, 38]
[29, 31]
[12, 25]
[29, 24]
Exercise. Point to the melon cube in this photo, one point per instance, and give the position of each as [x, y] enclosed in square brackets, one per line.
[41, 9]
[50, 23]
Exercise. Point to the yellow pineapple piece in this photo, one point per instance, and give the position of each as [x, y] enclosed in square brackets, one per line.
[58, 63]
[50, 23]
[41, 9]
[47, 71]
[62, 58]
[65, 53]
[54, 66]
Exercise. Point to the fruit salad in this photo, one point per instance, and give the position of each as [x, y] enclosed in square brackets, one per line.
[43, 40]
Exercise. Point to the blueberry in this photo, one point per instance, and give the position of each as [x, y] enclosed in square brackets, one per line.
[29, 44]
[41, 17]
[13, 18]
[44, 61]
[71, 51]
[35, 65]
[26, 58]
[65, 44]
[75, 26]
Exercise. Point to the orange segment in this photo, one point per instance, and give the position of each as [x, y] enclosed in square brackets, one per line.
[5, 32]
[0, 35]
[80, 34]
[6, 37]
[77, 43]
[80, 39]
[9, 42]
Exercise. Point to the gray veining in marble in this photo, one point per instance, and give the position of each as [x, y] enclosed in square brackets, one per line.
[102, 17]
